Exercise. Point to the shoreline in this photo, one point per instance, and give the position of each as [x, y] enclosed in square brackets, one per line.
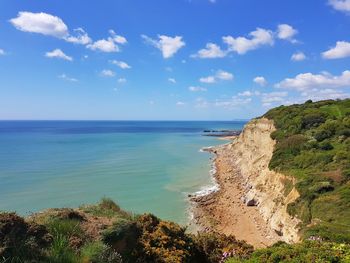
[224, 209]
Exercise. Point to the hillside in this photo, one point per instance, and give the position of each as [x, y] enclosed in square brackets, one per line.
[313, 146]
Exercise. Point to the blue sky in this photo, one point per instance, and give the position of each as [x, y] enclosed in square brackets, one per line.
[169, 59]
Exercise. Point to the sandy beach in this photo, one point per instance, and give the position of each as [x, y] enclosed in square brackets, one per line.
[224, 210]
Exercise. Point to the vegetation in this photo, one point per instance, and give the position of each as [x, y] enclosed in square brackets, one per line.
[313, 145]
[70, 236]
[305, 252]
[64, 235]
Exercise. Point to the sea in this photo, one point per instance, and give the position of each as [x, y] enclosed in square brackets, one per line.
[144, 166]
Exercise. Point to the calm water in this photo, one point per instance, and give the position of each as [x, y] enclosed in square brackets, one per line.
[144, 166]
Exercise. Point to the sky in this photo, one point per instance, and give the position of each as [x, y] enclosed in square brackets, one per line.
[169, 59]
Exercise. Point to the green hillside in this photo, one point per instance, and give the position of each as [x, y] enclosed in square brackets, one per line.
[313, 145]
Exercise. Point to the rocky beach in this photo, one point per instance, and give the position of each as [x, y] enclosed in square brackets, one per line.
[243, 205]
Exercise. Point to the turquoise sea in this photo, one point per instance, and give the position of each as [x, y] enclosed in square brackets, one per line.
[146, 166]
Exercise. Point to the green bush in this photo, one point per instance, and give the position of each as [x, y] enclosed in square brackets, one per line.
[313, 146]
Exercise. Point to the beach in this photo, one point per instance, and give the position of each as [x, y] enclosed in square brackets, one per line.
[249, 200]
[224, 211]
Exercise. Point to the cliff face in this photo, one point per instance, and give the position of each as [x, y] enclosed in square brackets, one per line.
[252, 152]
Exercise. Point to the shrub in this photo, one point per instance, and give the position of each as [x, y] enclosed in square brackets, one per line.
[21, 241]
[97, 252]
[312, 120]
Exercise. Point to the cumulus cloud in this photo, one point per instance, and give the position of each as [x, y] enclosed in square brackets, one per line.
[2, 52]
[210, 51]
[180, 103]
[260, 81]
[298, 56]
[118, 38]
[167, 45]
[121, 64]
[286, 32]
[172, 80]
[41, 23]
[65, 77]
[122, 80]
[232, 102]
[322, 94]
[49, 25]
[107, 73]
[241, 45]
[209, 79]
[224, 75]
[341, 50]
[248, 93]
[81, 38]
[340, 5]
[219, 75]
[58, 53]
[196, 88]
[268, 98]
[308, 81]
[108, 45]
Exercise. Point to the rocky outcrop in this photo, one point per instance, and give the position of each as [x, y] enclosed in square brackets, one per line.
[253, 150]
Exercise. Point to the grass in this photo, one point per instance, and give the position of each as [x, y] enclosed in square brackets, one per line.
[106, 208]
[313, 145]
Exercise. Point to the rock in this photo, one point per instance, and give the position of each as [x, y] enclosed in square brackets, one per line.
[252, 202]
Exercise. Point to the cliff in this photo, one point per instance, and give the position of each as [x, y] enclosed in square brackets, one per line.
[252, 200]
[266, 189]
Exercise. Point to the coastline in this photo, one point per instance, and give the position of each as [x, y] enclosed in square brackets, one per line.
[223, 210]
[250, 201]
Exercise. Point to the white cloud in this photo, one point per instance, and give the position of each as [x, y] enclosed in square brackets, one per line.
[210, 51]
[58, 53]
[65, 77]
[167, 45]
[107, 73]
[196, 88]
[298, 56]
[122, 80]
[108, 45]
[41, 23]
[224, 75]
[340, 5]
[121, 64]
[232, 103]
[212, 1]
[308, 81]
[246, 93]
[209, 79]
[180, 103]
[286, 32]
[322, 94]
[274, 97]
[81, 38]
[241, 45]
[2, 52]
[220, 75]
[49, 25]
[341, 50]
[117, 38]
[260, 81]
[104, 45]
[172, 80]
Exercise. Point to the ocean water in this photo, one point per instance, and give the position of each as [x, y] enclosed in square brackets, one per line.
[143, 166]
